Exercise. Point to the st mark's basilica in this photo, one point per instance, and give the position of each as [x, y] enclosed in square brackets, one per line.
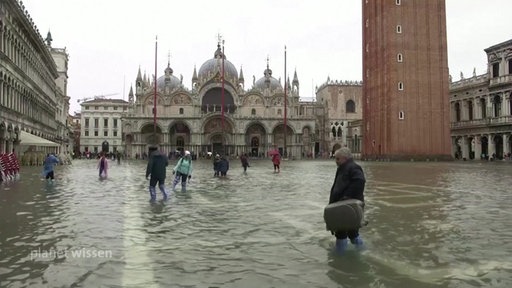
[191, 119]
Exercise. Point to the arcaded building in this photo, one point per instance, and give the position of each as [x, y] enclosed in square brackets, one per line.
[481, 105]
[33, 79]
[342, 101]
[192, 118]
[406, 111]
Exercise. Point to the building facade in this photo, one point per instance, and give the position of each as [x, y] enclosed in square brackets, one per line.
[481, 106]
[77, 132]
[64, 133]
[100, 124]
[343, 107]
[30, 92]
[252, 120]
[406, 111]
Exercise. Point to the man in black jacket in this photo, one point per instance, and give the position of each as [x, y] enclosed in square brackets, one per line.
[157, 168]
[348, 184]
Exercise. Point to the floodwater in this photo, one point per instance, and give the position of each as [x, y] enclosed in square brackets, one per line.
[430, 225]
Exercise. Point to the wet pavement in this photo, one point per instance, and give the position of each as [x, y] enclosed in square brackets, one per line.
[431, 225]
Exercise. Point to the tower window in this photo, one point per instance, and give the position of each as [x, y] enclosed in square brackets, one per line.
[399, 29]
[400, 86]
[399, 57]
[253, 111]
[401, 115]
[181, 110]
[398, 2]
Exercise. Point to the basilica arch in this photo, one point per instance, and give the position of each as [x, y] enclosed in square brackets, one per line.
[255, 136]
[217, 135]
[179, 135]
[212, 101]
[278, 137]
[148, 136]
[307, 148]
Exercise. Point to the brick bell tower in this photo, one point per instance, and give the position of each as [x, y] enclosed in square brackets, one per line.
[406, 108]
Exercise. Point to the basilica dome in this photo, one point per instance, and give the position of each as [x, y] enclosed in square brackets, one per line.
[172, 81]
[212, 66]
[268, 81]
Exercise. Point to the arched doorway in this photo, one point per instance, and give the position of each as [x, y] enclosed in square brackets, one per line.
[128, 146]
[485, 147]
[217, 133]
[278, 135]
[255, 136]
[150, 135]
[179, 136]
[498, 144]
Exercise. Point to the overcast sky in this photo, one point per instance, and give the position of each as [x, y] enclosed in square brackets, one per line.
[107, 41]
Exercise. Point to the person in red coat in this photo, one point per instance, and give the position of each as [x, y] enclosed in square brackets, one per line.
[276, 159]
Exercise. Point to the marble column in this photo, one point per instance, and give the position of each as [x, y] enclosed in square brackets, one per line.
[454, 145]
[465, 147]
[491, 145]
[506, 145]
[478, 147]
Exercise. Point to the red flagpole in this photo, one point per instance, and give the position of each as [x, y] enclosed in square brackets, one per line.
[154, 96]
[285, 100]
[222, 93]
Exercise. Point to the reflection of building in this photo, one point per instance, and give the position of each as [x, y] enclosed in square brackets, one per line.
[481, 123]
[405, 84]
[101, 121]
[343, 107]
[33, 96]
[191, 119]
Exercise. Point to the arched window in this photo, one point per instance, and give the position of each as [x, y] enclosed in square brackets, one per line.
[398, 29]
[470, 110]
[497, 106]
[401, 115]
[399, 57]
[457, 112]
[483, 107]
[400, 86]
[181, 110]
[339, 132]
[333, 130]
[253, 111]
[350, 106]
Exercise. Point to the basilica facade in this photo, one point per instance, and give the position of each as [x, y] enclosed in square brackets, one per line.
[252, 121]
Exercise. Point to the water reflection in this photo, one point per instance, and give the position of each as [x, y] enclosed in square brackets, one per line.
[431, 225]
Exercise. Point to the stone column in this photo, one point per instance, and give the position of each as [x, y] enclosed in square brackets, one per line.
[478, 147]
[491, 145]
[465, 147]
[506, 147]
[489, 108]
[478, 108]
[506, 104]
[454, 145]
[8, 146]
